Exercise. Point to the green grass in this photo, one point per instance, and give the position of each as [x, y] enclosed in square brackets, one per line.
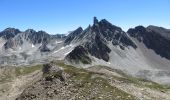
[104, 88]
[84, 80]
[26, 70]
[138, 81]
[142, 82]
[147, 83]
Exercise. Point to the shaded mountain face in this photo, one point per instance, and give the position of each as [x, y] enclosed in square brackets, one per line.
[155, 38]
[73, 35]
[95, 39]
[79, 54]
[9, 33]
[44, 48]
[37, 37]
[160, 30]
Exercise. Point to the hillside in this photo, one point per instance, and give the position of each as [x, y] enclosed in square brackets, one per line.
[59, 81]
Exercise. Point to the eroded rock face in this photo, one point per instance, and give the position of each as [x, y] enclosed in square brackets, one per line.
[9, 33]
[79, 54]
[44, 48]
[73, 35]
[153, 39]
[29, 36]
[115, 34]
[160, 30]
[95, 39]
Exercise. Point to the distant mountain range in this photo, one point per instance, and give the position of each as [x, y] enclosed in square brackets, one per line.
[141, 51]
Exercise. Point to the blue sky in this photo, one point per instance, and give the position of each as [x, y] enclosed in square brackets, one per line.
[61, 16]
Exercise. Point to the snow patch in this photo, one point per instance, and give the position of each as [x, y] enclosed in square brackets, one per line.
[67, 53]
[57, 42]
[32, 45]
[62, 48]
[20, 48]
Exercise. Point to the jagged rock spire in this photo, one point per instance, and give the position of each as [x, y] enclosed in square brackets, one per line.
[95, 21]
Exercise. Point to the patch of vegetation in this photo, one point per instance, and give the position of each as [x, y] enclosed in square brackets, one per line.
[147, 83]
[138, 81]
[79, 55]
[89, 82]
[99, 87]
[142, 82]
[94, 87]
[26, 70]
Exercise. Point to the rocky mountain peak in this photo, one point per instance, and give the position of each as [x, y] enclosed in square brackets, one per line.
[155, 38]
[95, 21]
[29, 36]
[160, 30]
[137, 32]
[30, 31]
[95, 40]
[79, 29]
[11, 30]
[137, 29]
[9, 33]
[73, 35]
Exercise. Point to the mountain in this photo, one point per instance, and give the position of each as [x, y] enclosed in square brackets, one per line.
[78, 54]
[57, 80]
[28, 37]
[95, 39]
[99, 62]
[64, 82]
[141, 52]
[160, 30]
[9, 33]
[27, 47]
[73, 35]
[155, 38]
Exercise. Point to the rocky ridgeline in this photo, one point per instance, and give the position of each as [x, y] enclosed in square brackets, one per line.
[64, 83]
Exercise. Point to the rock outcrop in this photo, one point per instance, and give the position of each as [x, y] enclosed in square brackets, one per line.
[154, 38]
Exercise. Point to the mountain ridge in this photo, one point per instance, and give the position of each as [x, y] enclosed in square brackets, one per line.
[136, 51]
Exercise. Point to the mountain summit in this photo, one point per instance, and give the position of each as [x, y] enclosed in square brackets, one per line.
[96, 39]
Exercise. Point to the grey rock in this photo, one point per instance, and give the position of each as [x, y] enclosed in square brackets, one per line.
[79, 54]
[95, 39]
[154, 38]
[73, 35]
[9, 33]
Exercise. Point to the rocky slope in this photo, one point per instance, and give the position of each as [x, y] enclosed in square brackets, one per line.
[95, 39]
[60, 81]
[154, 38]
[9, 33]
[18, 48]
